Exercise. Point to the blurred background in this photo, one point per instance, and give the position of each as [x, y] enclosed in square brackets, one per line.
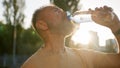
[18, 40]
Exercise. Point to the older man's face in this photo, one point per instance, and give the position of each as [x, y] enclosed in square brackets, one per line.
[57, 20]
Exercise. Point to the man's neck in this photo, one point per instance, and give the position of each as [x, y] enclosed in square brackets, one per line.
[55, 44]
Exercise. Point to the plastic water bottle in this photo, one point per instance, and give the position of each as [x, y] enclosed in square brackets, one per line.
[80, 17]
[83, 16]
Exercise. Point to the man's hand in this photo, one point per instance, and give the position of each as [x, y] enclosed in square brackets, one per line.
[106, 17]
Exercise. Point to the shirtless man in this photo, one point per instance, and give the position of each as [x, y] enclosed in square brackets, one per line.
[53, 26]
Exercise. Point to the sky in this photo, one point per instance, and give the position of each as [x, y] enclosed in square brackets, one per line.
[1, 10]
[99, 3]
[32, 5]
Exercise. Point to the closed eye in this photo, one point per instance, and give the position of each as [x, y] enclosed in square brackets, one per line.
[57, 11]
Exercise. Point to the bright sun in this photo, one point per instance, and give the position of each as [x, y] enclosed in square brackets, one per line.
[84, 36]
[91, 32]
[81, 36]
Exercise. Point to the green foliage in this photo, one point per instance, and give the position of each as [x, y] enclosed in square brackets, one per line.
[27, 40]
[5, 38]
[14, 11]
[14, 16]
[67, 5]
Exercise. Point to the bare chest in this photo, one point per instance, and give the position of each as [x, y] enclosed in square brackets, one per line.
[68, 60]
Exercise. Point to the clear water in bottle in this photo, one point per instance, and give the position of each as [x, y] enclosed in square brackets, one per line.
[80, 17]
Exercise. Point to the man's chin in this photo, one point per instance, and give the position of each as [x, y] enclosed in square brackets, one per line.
[71, 32]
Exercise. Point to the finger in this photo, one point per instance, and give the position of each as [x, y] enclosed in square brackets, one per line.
[96, 9]
[107, 8]
[99, 9]
[90, 10]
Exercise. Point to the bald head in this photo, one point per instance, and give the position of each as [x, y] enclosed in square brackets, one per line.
[48, 14]
[39, 14]
[51, 19]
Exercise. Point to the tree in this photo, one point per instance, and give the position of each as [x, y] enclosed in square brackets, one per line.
[67, 5]
[5, 39]
[14, 11]
[23, 36]
[14, 16]
[29, 42]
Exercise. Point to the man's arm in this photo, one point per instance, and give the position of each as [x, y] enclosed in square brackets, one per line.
[102, 60]
[106, 17]
[95, 59]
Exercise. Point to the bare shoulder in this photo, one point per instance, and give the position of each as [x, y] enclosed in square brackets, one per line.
[32, 61]
[101, 59]
[92, 54]
[29, 63]
[84, 51]
[35, 61]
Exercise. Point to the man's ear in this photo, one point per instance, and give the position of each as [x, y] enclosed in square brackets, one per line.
[41, 25]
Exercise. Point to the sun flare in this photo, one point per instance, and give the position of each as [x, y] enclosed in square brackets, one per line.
[81, 36]
[91, 32]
